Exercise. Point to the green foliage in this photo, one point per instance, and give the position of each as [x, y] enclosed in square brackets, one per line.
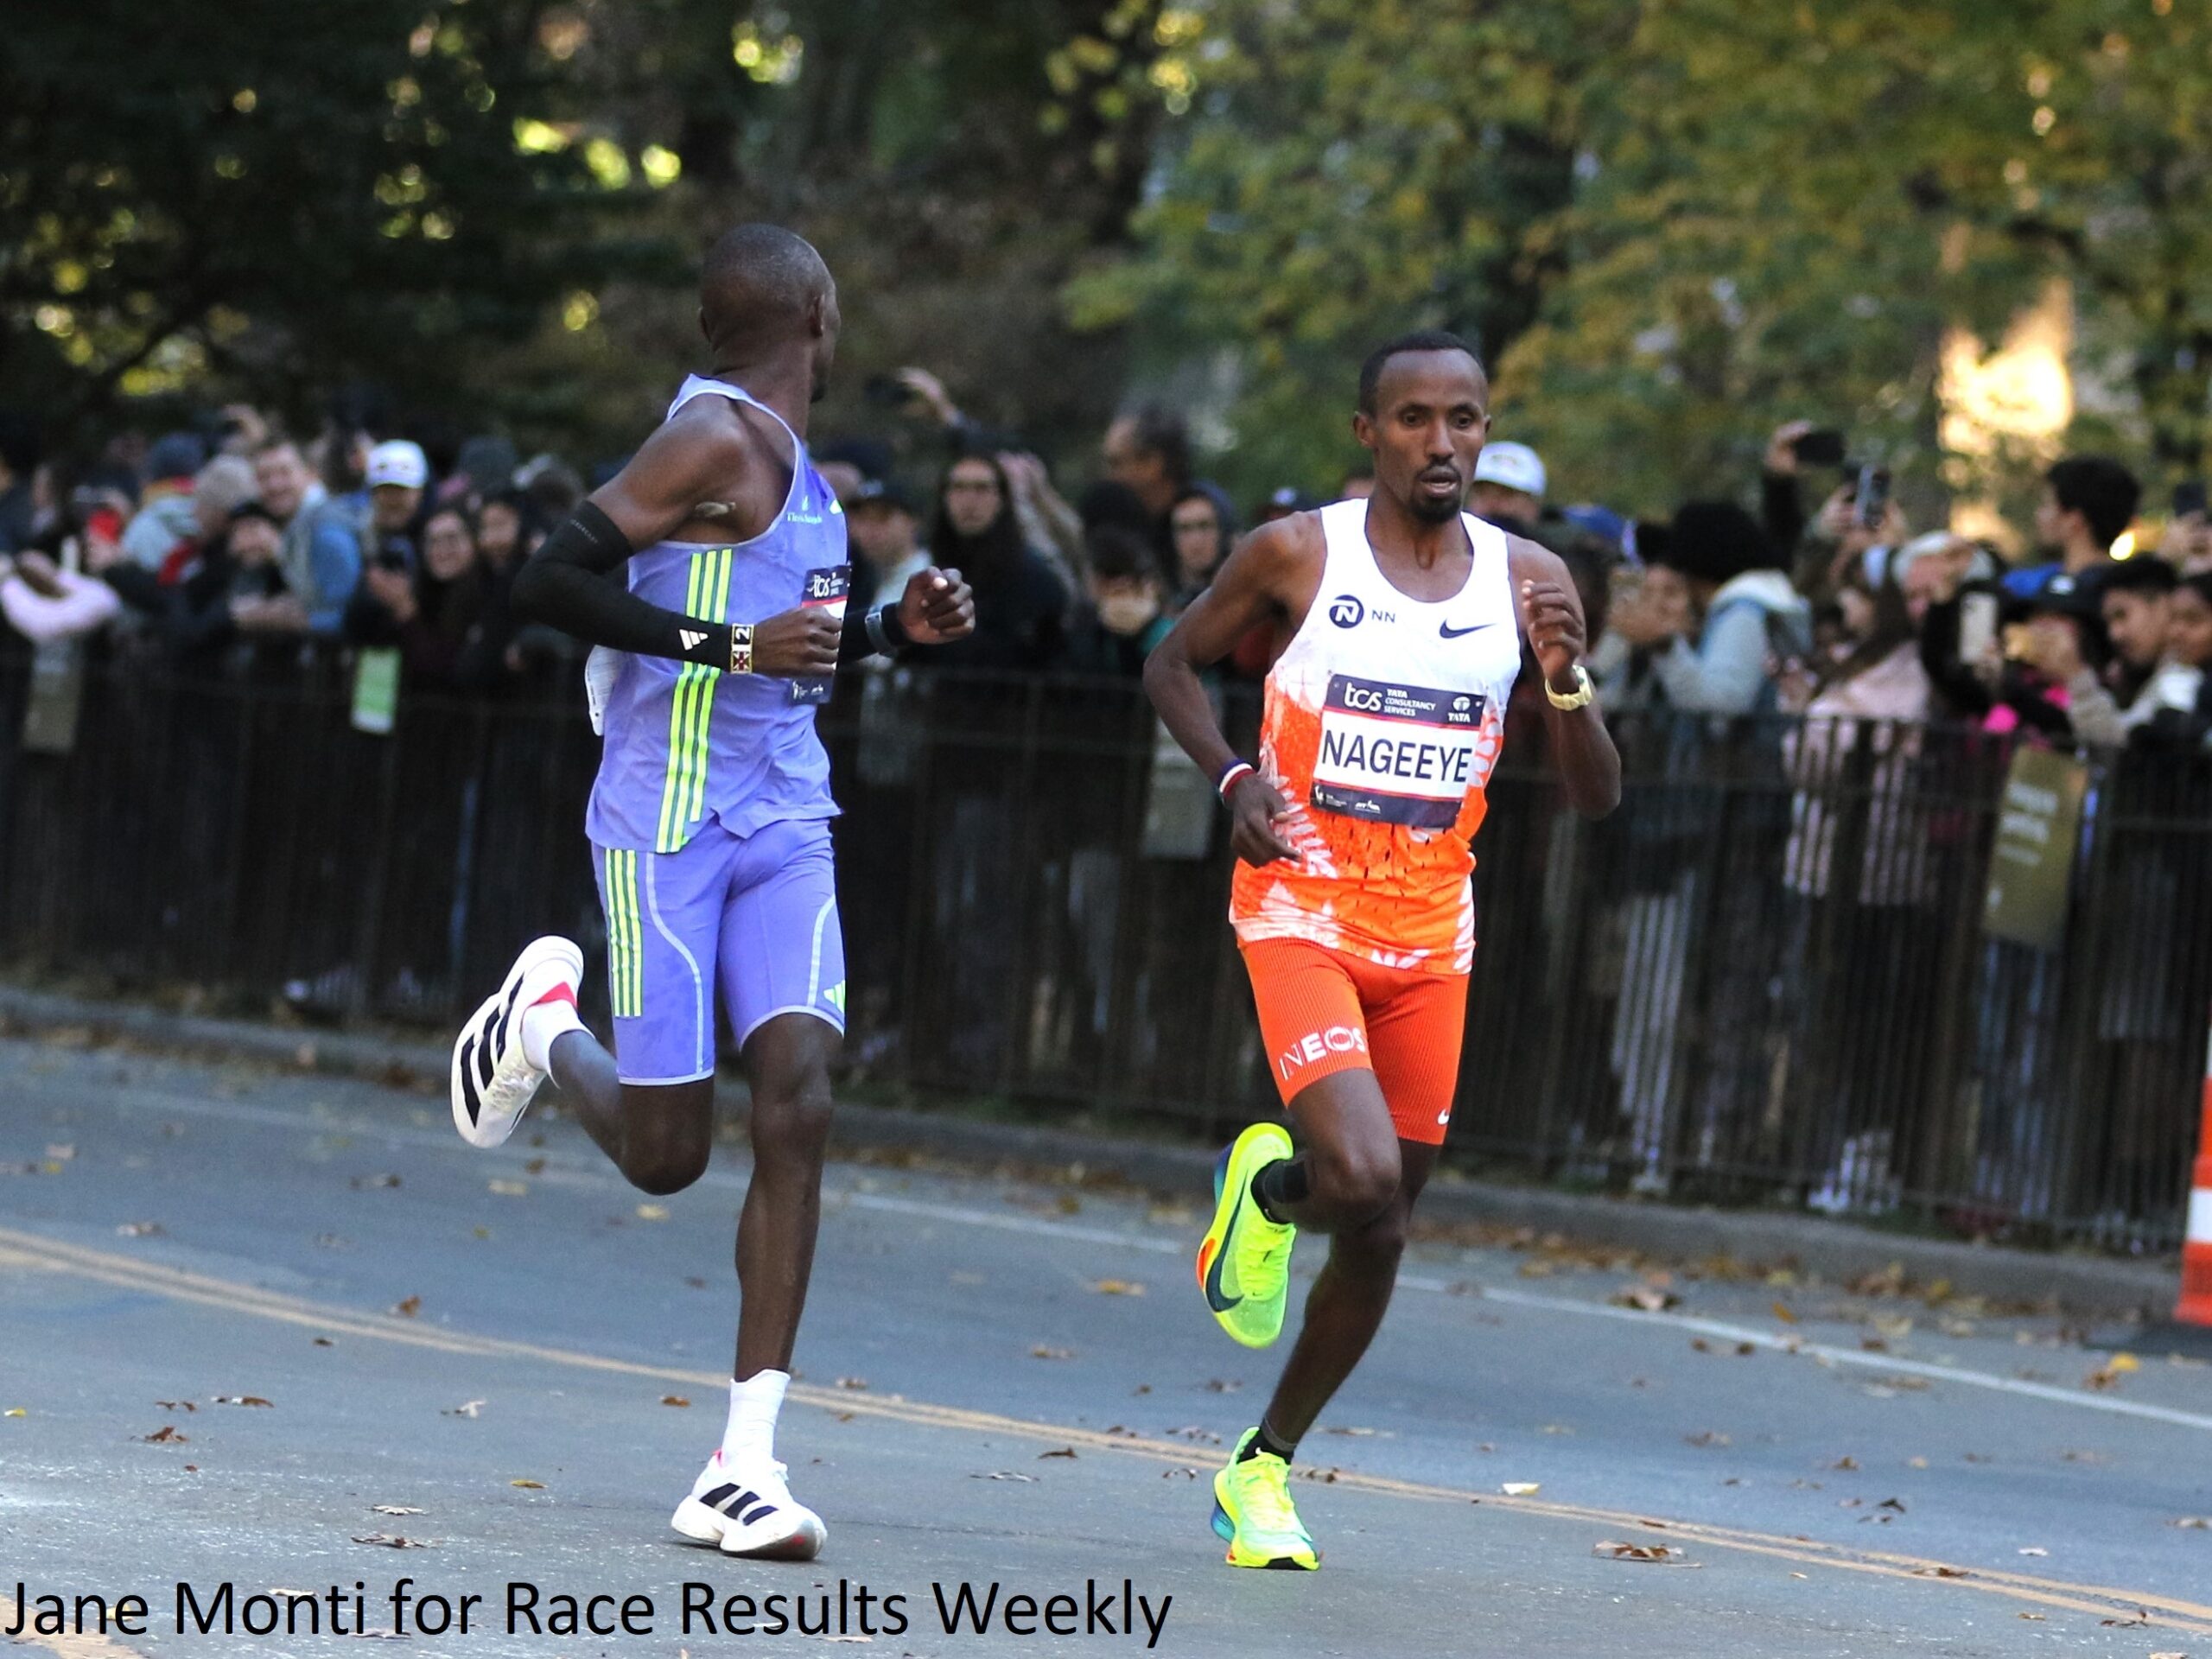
[278, 196]
[1674, 223]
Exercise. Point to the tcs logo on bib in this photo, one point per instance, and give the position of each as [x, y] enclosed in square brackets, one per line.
[1318, 1045]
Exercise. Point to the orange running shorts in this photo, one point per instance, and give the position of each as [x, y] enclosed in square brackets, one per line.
[1322, 1012]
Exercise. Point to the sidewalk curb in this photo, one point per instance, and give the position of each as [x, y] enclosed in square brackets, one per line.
[1835, 1252]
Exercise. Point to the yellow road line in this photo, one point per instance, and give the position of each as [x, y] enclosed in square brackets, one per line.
[28, 1251]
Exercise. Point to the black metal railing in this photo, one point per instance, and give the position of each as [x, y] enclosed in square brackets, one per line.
[1767, 978]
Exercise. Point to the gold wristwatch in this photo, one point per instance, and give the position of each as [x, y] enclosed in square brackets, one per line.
[1578, 698]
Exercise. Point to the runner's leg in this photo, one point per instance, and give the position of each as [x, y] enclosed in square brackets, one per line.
[1345, 1307]
[782, 971]
[787, 1063]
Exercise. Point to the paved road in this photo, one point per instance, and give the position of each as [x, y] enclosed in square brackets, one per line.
[1003, 1383]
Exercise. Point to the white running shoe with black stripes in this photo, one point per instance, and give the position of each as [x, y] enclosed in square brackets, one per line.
[493, 1078]
[749, 1512]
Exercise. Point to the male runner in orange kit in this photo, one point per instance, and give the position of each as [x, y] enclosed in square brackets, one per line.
[1351, 899]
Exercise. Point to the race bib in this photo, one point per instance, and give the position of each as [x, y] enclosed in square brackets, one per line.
[1397, 754]
[825, 589]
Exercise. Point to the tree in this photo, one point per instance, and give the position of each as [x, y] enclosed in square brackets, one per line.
[1673, 224]
[285, 197]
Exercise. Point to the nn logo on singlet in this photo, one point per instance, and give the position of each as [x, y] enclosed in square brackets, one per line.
[1346, 611]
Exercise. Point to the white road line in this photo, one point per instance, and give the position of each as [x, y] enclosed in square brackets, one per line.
[143, 1099]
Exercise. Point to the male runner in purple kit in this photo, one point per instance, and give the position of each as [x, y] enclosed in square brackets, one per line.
[709, 822]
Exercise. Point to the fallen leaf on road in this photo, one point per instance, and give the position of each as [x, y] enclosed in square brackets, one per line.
[1521, 1488]
[1118, 1288]
[1895, 1326]
[481, 1232]
[141, 1229]
[2033, 1619]
[1941, 1572]
[535, 1167]
[166, 1435]
[1042, 1353]
[1347, 1429]
[391, 1541]
[652, 1212]
[393, 1509]
[2126, 1624]
[528, 1485]
[17, 1411]
[2187, 1523]
[1003, 1474]
[852, 1382]
[509, 1189]
[361, 1182]
[466, 1408]
[674, 1399]
[1892, 1503]
[1618, 1551]
[1649, 1298]
[1845, 1463]
[1064, 1452]
[61, 1154]
[1782, 1312]
[1880, 1392]
[324, 1341]
[1707, 1436]
[240, 1399]
[176, 1405]
[1223, 1385]
[1916, 1463]
[408, 1307]
[1187, 1472]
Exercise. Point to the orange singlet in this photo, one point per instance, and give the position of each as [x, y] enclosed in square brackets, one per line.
[1383, 722]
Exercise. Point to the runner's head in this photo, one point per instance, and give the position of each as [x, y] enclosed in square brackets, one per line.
[764, 292]
[1424, 412]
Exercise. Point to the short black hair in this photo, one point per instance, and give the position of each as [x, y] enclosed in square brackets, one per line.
[2146, 574]
[1117, 554]
[2099, 488]
[758, 278]
[1158, 430]
[1421, 340]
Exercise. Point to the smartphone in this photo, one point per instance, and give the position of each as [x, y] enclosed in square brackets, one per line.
[1977, 627]
[1873, 494]
[1820, 447]
[2188, 498]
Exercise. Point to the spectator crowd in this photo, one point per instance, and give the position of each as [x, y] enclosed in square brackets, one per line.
[229, 550]
[230, 547]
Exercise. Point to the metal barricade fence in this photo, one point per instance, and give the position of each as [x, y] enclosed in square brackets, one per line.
[1766, 978]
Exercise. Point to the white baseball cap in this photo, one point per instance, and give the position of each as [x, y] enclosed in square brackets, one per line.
[1510, 466]
[397, 462]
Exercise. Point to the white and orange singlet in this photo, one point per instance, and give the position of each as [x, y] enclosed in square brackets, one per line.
[1383, 720]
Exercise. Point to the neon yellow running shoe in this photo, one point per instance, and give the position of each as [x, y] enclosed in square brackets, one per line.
[1244, 1259]
[1253, 1511]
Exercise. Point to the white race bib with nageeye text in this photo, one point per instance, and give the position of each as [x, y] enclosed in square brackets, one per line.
[1394, 753]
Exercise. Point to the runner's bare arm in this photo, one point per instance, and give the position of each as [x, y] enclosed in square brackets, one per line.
[571, 582]
[1262, 579]
[1551, 616]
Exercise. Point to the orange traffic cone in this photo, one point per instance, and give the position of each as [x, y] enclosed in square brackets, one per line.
[2196, 1305]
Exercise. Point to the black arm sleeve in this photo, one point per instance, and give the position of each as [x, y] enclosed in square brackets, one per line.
[566, 585]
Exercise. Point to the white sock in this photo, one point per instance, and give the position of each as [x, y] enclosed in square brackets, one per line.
[540, 1023]
[750, 1436]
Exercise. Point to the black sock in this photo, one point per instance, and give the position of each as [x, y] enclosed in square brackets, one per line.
[1268, 1441]
[1285, 1181]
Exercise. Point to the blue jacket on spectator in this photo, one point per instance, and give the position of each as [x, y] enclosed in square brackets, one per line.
[322, 563]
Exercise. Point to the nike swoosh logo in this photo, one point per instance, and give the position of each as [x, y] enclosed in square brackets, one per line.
[1451, 632]
[1215, 1299]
